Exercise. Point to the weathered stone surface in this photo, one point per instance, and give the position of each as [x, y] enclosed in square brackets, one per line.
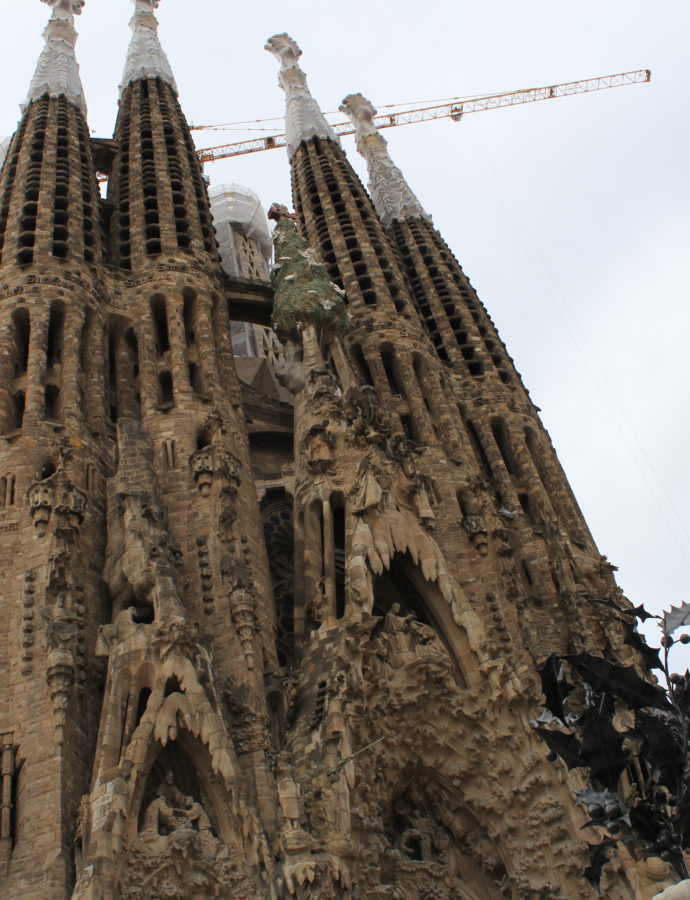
[255, 648]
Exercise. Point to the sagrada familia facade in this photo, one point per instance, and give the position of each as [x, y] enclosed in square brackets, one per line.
[272, 619]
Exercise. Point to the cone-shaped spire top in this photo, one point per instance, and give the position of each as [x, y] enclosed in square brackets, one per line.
[303, 119]
[389, 191]
[57, 72]
[145, 56]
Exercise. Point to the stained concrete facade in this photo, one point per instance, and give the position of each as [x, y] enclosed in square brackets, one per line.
[270, 629]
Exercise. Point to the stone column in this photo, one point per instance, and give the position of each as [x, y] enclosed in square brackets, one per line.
[72, 408]
[7, 357]
[35, 375]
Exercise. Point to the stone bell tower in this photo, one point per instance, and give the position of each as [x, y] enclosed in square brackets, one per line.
[270, 630]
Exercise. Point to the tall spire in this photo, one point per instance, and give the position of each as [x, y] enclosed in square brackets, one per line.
[145, 56]
[304, 118]
[390, 192]
[57, 72]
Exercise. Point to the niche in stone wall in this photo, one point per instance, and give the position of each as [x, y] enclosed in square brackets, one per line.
[436, 847]
[183, 839]
[416, 611]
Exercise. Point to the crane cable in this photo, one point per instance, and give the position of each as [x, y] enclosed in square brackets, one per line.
[558, 299]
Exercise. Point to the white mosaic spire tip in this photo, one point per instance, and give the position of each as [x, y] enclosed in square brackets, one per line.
[145, 56]
[303, 118]
[57, 71]
[390, 193]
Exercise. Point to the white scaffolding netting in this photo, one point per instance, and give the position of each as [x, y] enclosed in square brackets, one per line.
[235, 208]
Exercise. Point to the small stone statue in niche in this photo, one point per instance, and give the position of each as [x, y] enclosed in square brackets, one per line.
[172, 811]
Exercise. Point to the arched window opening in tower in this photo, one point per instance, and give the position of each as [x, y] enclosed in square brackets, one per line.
[389, 366]
[169, 455]
[129, 388]
[56, 327]
[361, 365]
[22, 332]
[111, 393]
[189, 316]
[18, 407]
[52, 402]
[277, 521]
[159, 318]
[532, 445]
[7, 490]
[527, 574]
[142, 703]
[500, 433]
[477, 445]
[166, 397]
[417, 619]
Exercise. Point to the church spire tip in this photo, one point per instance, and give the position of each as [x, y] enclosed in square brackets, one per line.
[303, 119]
[57, 71]
[145, 56]
[390, 193]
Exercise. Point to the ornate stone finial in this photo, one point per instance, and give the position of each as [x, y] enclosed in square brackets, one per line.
[304, 118]
[74, 6]
[389, 191]
[57, 71]
[145, 56]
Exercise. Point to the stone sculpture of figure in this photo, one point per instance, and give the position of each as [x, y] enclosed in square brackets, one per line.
[368, 490]
[170, 792]
[319, 444]
[41, 497]
[159, 818]
[368, 426]
[398, 634]
[290, 367]
[171, 811]
[474, 521]
[289, 792]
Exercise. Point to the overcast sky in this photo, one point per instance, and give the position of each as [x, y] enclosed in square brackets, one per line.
[570, 216]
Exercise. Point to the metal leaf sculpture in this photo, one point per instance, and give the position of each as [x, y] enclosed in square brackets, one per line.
[675, 617]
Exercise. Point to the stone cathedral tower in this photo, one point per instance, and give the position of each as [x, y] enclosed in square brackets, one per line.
[270, 624]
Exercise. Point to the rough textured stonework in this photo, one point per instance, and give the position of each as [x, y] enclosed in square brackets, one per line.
[271, 626]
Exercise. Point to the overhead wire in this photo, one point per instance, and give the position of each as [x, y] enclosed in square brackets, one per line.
[580, 341]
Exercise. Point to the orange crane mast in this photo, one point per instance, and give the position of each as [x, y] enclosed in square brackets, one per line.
[454, 109]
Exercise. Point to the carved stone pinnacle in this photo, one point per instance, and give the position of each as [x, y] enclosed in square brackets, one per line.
[73, 6]
[357, 106]
[284, 48]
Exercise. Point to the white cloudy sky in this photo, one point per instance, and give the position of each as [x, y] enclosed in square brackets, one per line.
[570, 216]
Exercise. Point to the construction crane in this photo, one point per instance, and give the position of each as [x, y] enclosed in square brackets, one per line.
[454, 109]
